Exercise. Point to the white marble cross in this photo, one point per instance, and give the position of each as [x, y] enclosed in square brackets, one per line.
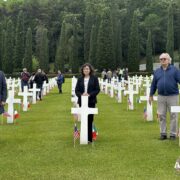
[25, 95]
[34, 90]
[45, 85]
[131, 93]
[119, 89]
[176, 109]
[149, 107]
[84, 111]
[11, 101]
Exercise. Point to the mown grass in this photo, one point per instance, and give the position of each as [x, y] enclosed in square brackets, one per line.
[40, 145]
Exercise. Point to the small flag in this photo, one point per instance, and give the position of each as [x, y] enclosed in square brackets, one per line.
[94, 133]
[6, 114]
[145, 113]
[76, 132]
[29, 105]
[16, 115]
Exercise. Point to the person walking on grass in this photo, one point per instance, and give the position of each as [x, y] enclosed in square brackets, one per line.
[165, 80]
[25, 75]
[39, 79]
[60, 81]
[88, 85]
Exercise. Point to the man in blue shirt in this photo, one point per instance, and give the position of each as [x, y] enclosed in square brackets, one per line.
[165, 80]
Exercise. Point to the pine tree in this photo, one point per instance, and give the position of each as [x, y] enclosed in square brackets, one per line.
[74, 62]
[4, 52]
[1, 45]
[133, 47]
[149, 58]
[61, 49]
[8, 51]
[119, 58]
[90, 18]
[93, 45]
[42, 48]
[170, 33]
[105, 47]
[28, 51]
[19, 42]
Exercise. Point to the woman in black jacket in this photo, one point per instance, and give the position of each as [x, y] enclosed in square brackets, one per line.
[88, 85]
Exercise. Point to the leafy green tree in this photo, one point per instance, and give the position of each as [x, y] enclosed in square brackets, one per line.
[28, 51]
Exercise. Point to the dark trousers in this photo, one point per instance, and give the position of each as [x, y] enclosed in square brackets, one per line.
[60, 88]
[90, 122]
[23, 83]
[39, 86]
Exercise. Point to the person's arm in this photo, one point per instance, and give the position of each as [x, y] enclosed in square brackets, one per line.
[177, 76]
[96, 89]
[77, 89]
[153, 89]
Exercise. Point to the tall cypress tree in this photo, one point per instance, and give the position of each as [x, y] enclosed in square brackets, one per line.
[119, 58]
[170, 33]
[42, 48]
[133, 47]
[4, 39]
[89, 20]
[149, 59]
[1, 44]
[61, 49]
[105, 48]
[28, 51]
[19, 42]
[93, 45]
[8, 51]
[115, 23]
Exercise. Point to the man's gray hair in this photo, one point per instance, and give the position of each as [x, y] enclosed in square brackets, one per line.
[167, 56]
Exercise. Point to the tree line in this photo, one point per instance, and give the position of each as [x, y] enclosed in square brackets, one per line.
[106, 33]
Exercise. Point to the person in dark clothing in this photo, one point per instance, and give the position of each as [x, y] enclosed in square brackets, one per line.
[31, 80]
[45, 77]
[88, 85]
[3, 92]
[60, 81]
[24, 78]
[39, 79]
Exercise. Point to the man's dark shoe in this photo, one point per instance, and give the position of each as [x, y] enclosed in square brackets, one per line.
[172, 137]
[163, 137]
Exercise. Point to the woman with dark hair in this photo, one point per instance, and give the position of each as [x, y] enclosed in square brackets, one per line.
[88, 85]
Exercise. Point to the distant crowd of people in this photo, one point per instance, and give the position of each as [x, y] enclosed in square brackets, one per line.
[28, 79]
[120, 73]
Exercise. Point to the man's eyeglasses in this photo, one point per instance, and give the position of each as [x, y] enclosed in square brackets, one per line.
[163, 59]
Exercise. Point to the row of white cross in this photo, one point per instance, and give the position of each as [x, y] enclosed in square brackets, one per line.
[11, 85]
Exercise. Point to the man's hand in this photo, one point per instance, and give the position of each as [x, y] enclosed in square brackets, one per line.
[150, 99]
[85, 94]
[3, 103]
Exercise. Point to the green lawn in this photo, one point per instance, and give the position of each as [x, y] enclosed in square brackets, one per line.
[40, 145]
